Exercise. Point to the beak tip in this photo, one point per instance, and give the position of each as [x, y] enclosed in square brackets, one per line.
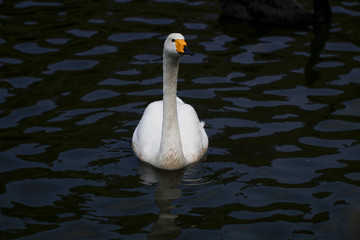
[187, 52]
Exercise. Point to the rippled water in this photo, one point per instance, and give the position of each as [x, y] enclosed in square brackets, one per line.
[281, 106]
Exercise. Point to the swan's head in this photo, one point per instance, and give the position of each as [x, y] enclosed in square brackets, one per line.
[175, 45]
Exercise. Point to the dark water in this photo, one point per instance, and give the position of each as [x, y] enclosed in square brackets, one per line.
[281, 106]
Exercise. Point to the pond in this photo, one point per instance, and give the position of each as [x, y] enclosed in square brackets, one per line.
[281, 107]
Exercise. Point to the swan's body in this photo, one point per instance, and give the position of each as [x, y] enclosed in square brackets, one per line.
[169, 134]
[282, 12]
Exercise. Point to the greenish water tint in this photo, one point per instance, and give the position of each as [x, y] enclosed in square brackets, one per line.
[281, 107]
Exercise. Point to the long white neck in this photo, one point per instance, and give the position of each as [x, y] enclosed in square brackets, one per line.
[170, 153]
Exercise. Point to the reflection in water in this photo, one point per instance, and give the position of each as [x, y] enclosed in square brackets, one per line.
[353, 218]
[321, 32]
[167, 190]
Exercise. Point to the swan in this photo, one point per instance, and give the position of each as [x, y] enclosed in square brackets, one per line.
[282, 12]
[169, 135]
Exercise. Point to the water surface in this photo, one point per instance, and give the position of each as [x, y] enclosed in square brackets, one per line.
[281, 107]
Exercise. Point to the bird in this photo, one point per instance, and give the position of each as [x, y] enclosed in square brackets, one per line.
[277, 12]
[169, 134]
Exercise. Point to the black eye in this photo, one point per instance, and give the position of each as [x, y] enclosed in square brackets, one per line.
[173, 40]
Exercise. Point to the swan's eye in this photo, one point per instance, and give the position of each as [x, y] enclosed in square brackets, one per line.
[173, 40]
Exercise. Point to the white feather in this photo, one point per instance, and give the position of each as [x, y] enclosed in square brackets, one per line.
[170, 137]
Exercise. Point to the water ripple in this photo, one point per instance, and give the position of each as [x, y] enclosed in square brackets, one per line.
[58, 41]
[27, 4]
[71, 65]
[127, 37]
[352, 108]
[342, 47]
[10, 61]
[154, 21]
[337, 126]
[346, 79]
[99, 50]
[82, 33]
[33, 48]
[21, 82]
[12, 120]
[99, 95]
[217, 43]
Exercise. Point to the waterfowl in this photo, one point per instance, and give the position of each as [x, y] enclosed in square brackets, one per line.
[169, 135]
[280, 12]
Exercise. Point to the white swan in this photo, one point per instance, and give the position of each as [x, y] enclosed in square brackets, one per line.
[169, 134]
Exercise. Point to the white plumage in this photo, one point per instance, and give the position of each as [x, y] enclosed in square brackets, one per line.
[169, 134]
